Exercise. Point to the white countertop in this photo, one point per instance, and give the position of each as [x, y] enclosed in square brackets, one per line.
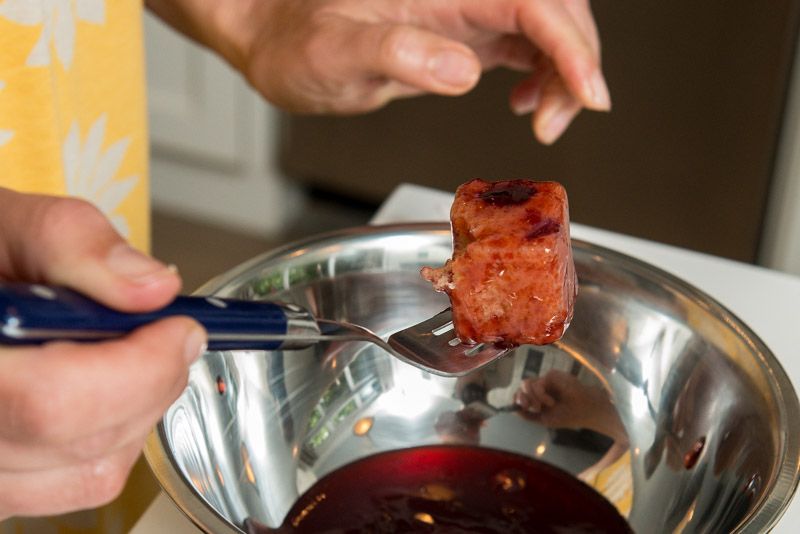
[768, 301]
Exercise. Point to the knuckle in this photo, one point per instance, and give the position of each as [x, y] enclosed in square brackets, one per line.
[162, 370]
[12, 503]
[95, 446]
[58, 214]
[316, 55]
[61, 220]
[314, 43]
[101, 481]
[393, 44]
[161, 354]
[33, 410]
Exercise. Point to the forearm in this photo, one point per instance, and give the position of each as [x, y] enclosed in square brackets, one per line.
[216, 24]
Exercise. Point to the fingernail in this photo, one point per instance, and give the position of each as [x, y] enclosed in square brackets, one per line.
[196, 343]
[596, 91]
[454, 68]
[555, 124]
[137, 267]
[527, 106]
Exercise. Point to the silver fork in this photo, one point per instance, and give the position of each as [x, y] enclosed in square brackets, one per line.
[431, 345]
[34, 313]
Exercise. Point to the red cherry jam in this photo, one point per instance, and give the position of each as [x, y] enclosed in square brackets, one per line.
[507, 193]
[449, 489]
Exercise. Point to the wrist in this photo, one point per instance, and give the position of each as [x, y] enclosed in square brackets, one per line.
[224, 26]
[233, 31]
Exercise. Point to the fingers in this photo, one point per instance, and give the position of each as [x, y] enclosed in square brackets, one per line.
[553, 27]
[553, 106]
[413, 57]
[557, 108]
[539, 390]
[340, 63]
[69, 242]
[54, 394]
[533, 397]
[526, 402]
[565, 35]
[53, 491]
[514, 52]
[73, 417]
[558, 91]
[581, 12]
[526, 96]
[350, 57]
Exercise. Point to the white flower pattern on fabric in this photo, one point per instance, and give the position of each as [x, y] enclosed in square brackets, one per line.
[58, 19]
[89, 172]
[5, 135]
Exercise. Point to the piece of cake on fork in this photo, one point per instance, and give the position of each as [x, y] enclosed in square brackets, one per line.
[511, 279]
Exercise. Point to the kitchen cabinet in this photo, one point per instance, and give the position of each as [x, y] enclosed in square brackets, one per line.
[212, 140]
[686, 157]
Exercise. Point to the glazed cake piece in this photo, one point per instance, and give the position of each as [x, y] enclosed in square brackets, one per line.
[511, 279]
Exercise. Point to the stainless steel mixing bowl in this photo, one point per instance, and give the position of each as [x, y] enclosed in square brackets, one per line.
[658, 396]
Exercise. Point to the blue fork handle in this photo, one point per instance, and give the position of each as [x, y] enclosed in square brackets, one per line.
[35, 314]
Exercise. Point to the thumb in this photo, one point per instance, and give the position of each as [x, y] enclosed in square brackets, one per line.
[69, 242]
[415, 57]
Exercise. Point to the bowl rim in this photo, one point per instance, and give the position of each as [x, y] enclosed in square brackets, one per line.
[769, 510]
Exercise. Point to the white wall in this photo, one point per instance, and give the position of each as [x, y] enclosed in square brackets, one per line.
[212, 140]
[781, 248]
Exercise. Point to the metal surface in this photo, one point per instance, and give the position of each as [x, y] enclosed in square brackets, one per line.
[433, 345]
[430, 345]
[659, 397]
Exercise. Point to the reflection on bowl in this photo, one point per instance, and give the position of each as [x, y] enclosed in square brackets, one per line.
[657, 396]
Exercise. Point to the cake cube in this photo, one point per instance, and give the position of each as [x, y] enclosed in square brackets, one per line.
[511, 279]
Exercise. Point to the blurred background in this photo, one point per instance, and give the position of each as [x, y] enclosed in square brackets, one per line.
[702, 149]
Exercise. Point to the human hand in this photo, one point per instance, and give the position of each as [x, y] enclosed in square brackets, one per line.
[353, 56]
[74, 417]
[559, 400]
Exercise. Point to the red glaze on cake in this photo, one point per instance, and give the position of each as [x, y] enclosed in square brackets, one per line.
[511, 279]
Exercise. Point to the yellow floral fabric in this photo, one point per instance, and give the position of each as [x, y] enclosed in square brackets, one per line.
[73, 122]
[72, 105]
[615, 482]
